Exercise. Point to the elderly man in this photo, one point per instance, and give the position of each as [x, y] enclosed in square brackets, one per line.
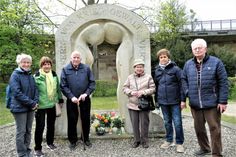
[77, 83]
[205, 83]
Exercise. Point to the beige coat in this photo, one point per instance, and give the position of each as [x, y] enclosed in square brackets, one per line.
[145, 84]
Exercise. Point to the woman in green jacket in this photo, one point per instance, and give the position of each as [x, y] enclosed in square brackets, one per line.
[49, 94]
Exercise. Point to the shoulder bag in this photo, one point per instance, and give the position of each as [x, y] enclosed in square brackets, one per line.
[145, 102]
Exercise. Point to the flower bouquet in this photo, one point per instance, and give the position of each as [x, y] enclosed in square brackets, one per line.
[101, 123]
[106, 122]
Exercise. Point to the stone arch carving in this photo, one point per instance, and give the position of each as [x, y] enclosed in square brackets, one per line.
[95, 24]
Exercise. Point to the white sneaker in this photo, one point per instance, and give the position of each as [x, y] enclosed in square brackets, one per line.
[179, 148]
[166, 145]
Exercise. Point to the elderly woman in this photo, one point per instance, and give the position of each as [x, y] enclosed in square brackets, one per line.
[168, 94]
[24, 101]
[49, 94]
[137, 84]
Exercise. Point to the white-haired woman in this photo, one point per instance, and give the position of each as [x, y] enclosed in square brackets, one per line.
[137, 84]
[24, 100]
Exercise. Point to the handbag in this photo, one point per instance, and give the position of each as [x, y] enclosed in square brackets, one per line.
[145, 102]
[58, 109]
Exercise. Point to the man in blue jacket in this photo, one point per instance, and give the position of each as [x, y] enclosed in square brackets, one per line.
[205, 83]
[77, 84]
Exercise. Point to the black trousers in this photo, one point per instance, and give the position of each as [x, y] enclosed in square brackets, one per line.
[73, 117]
[40, 115]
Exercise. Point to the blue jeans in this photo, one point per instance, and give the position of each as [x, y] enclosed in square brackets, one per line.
[172, 115]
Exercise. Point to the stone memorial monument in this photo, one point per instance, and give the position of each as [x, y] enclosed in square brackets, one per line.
[93, 25]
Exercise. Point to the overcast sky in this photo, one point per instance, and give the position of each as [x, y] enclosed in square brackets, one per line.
[213, 9]
[205, 9]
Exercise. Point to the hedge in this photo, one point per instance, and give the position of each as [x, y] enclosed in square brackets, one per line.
[105, 88]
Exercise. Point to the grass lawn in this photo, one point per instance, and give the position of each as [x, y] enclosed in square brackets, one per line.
[5, 114]
[98, 103]
[104, 103]
[229, 119]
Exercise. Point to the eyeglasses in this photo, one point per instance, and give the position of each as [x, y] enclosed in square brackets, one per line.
[198, 48]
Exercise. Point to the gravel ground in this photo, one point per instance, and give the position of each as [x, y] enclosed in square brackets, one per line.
[121, 147]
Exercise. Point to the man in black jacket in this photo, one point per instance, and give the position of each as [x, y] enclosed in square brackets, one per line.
[77, 84]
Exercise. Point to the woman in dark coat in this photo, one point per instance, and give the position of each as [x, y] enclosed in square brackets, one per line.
[24, 100]
[168, 95]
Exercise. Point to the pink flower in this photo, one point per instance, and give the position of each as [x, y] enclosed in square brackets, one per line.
[113, 114]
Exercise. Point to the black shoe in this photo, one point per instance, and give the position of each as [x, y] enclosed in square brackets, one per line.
[145, 145]
[135, 144]
[88, 143]
[202, 152]
[72, 146]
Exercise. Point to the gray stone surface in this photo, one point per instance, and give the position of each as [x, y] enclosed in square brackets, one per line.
[121, 147]
[93, 25]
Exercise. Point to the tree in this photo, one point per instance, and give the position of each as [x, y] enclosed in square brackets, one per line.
[21, 14]
[171, 18]
[13, 43]
[18, 24]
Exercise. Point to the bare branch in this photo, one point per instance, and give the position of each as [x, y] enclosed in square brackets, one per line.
[84, 3]
[74, 9]
[44, 14]
[76, 4]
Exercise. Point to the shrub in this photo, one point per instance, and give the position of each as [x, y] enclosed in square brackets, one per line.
[227, 55]
[105, 88]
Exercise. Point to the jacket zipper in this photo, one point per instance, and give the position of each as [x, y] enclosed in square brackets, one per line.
[199, 86]
[165, 87]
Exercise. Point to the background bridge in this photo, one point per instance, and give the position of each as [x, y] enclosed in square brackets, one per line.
[214, 31]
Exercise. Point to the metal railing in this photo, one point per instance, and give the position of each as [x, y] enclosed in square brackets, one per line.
[196, 26]
[203, 26]
[214, 25]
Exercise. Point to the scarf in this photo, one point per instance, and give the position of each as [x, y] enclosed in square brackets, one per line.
[51, 86]
[163, 66]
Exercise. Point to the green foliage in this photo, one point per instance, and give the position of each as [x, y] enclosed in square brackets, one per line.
[19, 20]
[21, 14]
[105, 88]
[118, 122]
[227, 56]
[13, 42]
[179, 49]
[171, 19]
[232, 88]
